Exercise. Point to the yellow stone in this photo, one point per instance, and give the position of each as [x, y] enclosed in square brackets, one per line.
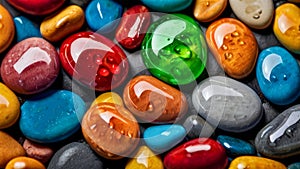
[9, 107]
[24, 163]
[253, 162]
[208, 10]
[108, 97]
[145, 159]
[7, 29]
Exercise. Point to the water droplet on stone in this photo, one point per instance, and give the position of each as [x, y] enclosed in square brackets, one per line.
[235, 34]
[224, 47]
[241, 43]
[272, 144]
[1, 25]
[207, 3]
[289, 133]
[150, 107]
[228, 56]
[103, 72]
[256, 16]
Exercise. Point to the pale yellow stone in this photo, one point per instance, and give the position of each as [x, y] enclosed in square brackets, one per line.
[253, 162]
[109, 97]
[24, 163]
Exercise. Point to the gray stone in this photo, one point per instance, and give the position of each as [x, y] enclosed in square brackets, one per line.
[196, 127]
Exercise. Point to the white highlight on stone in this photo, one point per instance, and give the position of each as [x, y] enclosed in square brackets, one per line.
[192, 149]
[222, 31]
[241, 166]
[99, 10]
[31, 56]
[66, 156]
[3, 100]
[227, 145]
[165, 133]
[265, 131]
[143, 159]
[106, 116]
[285, 23]
[143, 86]
[216, 90]
[134, 29]
[19, 165]
[269, 63]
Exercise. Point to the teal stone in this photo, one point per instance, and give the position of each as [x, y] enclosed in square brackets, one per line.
[25, 28]
[52, 116]
[162, 138]
[294, 166]
[236, 147]
[167, 5]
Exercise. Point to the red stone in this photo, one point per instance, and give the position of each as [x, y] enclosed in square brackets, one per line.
[94, 61]
[203, 153]
[133, 27]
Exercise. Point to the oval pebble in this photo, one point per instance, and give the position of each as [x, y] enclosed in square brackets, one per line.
[108, 97]
[277, 72]
[167, 5]
[197, 127]
[294, 166]
[252, 162]
[37, 151]
[208, 10]
[24, 163]
[25, 28]
[7, 29]
[52, 116]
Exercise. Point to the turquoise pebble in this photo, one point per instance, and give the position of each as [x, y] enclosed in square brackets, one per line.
[103, 14]
[167, 5]
[25, 28]
[278, 75]
[164, 137]
[52, 116]
[236, 147]
[294, 166]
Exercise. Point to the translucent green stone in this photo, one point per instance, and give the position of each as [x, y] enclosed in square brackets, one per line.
[174, 49]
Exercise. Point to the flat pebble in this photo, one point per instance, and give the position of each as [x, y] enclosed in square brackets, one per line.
[294, 166]
[197, 127]
[209, 10]
[253, 162]
[24, 163]
[37, 151]
[167, 5]
[25, 28]
[7, 29]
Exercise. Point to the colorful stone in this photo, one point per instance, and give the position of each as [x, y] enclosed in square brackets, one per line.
[108, 97]
[233, 45]
[197, 127]
[133, 26]
[154, 101]
[208, 10]
[39, 152]
[52, 116]
[203, 153]
[25, 28]
[294, 1]
[65, 22]
[7, 29]
[94, 60]
[277, 72]
[286, 26]
[294, 166]
[178, 55]
[31, 66]
[253, 162]
[111, 130]
[9, 107]
[24, 163]
[167, 5]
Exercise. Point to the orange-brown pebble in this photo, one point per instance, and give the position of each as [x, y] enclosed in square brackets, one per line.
[24, 163]
[7, 29]
[233, 45]
[208, 10]
[9, 149]
[37, 151]
[67, 21]
[253, 162]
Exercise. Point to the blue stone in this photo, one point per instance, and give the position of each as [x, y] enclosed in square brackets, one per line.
[236, 147]
[102, 15]
[52, 116]
[294, 166]
[25, 28]
[278, 75]
[167, 5]
[161, 138]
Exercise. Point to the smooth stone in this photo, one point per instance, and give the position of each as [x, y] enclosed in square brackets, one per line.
[7, 29]
[24, 163]
[168, 136]
[281, 137]
[208, 10]
[233, 45]
[294, 166]
[203, 153]
[286, 26]
[78, 155]
[145, 159]
[252, 162]
[197, 127]
[277, 72]
[236, 147]
[103, 19]
[9, 149]
[255, 13]
[52, 116]
[81, 3]
[108, 97]
[227, 104]
[37, 151]
[9, 107]
[25, 28]
[167, 5]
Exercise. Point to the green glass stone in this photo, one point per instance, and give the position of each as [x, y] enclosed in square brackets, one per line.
[174, 49]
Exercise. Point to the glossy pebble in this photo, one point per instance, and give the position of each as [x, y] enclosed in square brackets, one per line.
[233, 45]
[255, 13]
[294, 166]
[197, 127]
[167, 5]
[40, 152]
[25, 28]
[168, 136]
[227, 104]
[203, 153]
[154, 101]
[103, 14]
[78, 155]
[280, 138]
[31, 66]
[178, 55]
[9, 107]
[133, 26]
[252, 162]
[111, 130]
[208, 10]
[24, 163]
[277, 72]
[9, 149]
[108, 97]
[52, 116]
[286, 26]
[37, 7]
[7, 29]
[145, 159]
[94, 61]
[67, 21]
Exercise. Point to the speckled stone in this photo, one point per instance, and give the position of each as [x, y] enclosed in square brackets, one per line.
[294, 166]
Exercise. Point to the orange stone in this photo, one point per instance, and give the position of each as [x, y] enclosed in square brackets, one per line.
[208, 10]
[24, 163]
[233, 45]
[7, 29]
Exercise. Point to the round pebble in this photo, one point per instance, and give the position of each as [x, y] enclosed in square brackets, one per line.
[24, 163]
[208, 10]
[37, 151]
[7, 29]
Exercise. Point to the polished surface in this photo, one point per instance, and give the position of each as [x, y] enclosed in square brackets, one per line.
[7, 29]
[208, 10]
[253, 162]
[24, 163]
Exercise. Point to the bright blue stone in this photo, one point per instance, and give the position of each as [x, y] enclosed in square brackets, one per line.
[52, 116]
[102, 15]
[278, 75]
[163, 137]
[25, 28]
[167, 5]
[294, 166]
[236, 147]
